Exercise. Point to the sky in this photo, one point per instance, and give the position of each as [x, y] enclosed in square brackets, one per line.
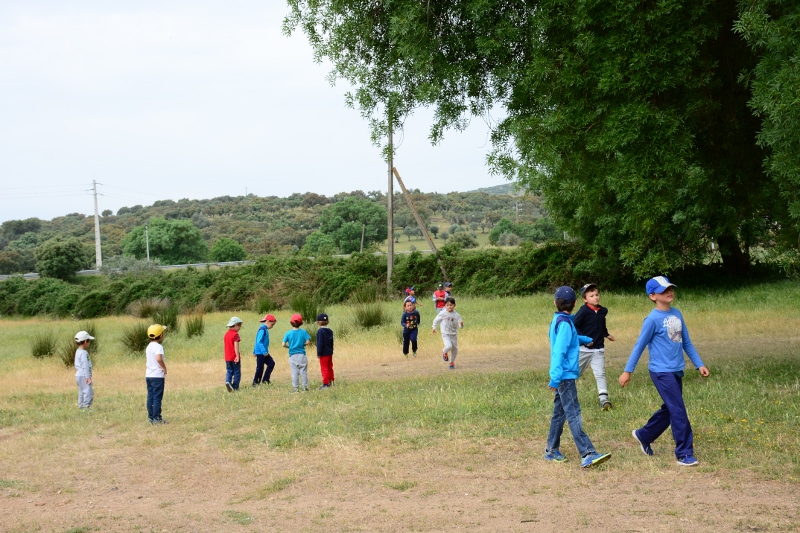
[189, 99]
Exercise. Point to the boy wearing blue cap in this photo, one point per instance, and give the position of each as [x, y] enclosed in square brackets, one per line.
[410, 321]
[665, 335]
[564, 351]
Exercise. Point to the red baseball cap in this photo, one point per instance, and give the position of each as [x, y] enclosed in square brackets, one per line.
[270, 318]
[297, 317]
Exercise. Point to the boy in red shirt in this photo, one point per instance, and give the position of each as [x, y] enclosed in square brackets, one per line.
[439, 295]
[233, 361]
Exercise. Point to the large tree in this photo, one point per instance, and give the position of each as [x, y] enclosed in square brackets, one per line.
[61, 258]
[171, 242]
[626, 115]
[344, 221]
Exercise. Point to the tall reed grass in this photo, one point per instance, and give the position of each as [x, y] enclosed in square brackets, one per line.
[43, 344]
[134, 338]
[195, 326]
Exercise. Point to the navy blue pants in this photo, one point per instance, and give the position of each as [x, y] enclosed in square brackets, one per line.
[155, 392]
[410, 335]
[672, 413]
[263, 375]
[233, 374]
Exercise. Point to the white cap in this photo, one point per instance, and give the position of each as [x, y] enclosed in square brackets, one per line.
[83, 336]
[233, 321]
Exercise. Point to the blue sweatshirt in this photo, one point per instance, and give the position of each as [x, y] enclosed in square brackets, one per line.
[564, 349]
[665, 335]
[262, 341]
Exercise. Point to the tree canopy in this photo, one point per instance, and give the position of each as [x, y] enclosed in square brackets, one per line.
[226, 249]
[61, 258]
[171, 242]
[343, 222]
[628, 116]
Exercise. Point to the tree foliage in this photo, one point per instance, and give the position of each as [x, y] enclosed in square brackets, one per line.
[61, 258]
[626, 115]
[171, 242]
[343, 222]
[226, 249]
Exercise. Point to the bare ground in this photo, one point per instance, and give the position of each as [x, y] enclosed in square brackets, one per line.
[493, 485]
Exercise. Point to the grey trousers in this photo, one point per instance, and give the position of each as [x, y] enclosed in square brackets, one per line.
[450, 346]
[298, 363]
[597, 360]
[85, 392]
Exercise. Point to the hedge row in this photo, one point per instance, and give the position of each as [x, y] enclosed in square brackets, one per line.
[487, 272]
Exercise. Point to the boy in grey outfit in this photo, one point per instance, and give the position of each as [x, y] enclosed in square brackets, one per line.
[83, 370]
[450, 322]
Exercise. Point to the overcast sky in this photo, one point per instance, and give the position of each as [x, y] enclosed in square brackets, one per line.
[193, 99]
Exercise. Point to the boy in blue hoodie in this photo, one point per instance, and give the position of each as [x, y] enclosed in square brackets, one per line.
[564, 350]
[665, 335]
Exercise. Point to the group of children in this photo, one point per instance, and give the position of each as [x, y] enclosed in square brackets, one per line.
[576, 343]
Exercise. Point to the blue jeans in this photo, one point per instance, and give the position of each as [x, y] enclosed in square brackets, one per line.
[410, 336]
[155, 392]
[672, 413]
[234, 374]
[262, 375]
[566, 407]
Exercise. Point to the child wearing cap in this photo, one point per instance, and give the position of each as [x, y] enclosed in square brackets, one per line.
[450, 322]
[448, 289]
[83, 370]
[156, 373]
[411, 295]
[325, 350]
[665, 335]
[410, 321]
[296, 340]
[439, 296]
[590, 321]
[564, 349]
[261, 351]
[233, 360]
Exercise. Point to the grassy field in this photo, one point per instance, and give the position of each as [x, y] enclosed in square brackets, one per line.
[746, 416]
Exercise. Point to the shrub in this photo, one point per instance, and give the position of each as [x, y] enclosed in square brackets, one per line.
[370, 315]
[167, 317]
[264, 303]
[312, 329]
[508, 239]
[43, 344]
[134, 338]
[195, 326]
[463, 240]
[309, 306]
[147, 307]
[369, 292]
[61, 258]
[66, 352]
[94, 304]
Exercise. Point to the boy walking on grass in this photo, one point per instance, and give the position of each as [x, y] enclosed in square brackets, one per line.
[156, 373]
[233, 360]
[410, 321]
[261, 352]
[665, 335]
[450, 322]
[590, 321]
[564, 350]
[325, 350]
[296, 340]
[83, 370]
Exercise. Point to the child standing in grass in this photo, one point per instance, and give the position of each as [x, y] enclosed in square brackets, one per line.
[325, 350]
[450, 321]
[439, 295]
[564, 349]
[410, 322]
[261, 351]
[233, 359]
[590, 321]
[83, 370]
[665, 335]
[296, 340]
[156, 373]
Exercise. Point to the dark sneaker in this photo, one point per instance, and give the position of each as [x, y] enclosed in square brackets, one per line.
[555, 456]
[305, 389]
[324, 387]
[594, 459]
[646, 449]
[229, 386]
[153, 421]
[689, 460]
[445, 358]
[452, 366]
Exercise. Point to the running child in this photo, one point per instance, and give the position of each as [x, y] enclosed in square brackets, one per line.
[450, 321]
[410, 321]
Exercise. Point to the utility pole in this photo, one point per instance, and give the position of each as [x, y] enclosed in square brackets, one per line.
[147, 238]
[98, 256]
[389, 199]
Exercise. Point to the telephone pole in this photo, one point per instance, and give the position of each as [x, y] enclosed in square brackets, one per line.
[98, 256]
[390, 198]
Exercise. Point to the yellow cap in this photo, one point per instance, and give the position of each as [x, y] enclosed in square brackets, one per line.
[155, 331]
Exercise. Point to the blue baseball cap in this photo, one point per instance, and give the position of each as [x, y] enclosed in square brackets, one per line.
[566, 294]
[659, 284]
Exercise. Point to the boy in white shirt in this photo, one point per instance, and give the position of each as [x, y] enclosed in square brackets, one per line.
[156, 373]
[450, 321]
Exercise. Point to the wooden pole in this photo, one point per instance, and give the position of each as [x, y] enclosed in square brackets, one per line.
[389, 206]
[420, 223]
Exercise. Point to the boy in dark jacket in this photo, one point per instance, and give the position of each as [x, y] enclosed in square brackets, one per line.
[410, 322]
[590, 320]
[325, 350]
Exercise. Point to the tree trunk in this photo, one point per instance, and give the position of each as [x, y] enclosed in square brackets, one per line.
[734, 261]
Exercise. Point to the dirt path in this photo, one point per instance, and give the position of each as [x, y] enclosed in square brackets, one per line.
[493, 485]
